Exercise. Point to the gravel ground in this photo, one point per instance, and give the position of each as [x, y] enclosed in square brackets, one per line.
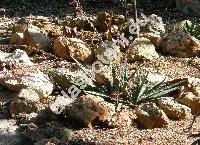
[172, 67]
[176, 133]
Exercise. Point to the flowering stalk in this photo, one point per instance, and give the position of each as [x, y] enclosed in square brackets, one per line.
[135, 16]
[81, 15]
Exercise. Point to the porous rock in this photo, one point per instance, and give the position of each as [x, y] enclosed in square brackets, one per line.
[87, 108]
[67, 48]
[141, 49]
[173, 109]
[151, 116]
[180, 44]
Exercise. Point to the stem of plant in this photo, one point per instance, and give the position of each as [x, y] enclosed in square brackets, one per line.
[135, 16]
[110, 27]
[125, 10]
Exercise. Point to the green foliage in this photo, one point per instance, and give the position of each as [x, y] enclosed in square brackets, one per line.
[145, 91]
[124, 28]
[130, 89]
[192, 29]
[116, 87]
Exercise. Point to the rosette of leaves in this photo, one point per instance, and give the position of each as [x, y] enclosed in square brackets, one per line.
[115, 88]
[192, 29]
[143, 90]
[130, 89]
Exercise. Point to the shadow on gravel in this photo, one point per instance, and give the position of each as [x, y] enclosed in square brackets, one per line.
[55, 8]
[80, 142]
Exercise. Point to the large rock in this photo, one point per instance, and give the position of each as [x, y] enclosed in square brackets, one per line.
[17, 38]
[36, 81]
[191, 98]
[177, 26]
[9, 132]
[151, 116]
[108, 54]
[71, 47]
[181, 44]
[155, 25]
[15, 59]
[26, 102]
[64, 78]
[86, 109]
[154, 38]
[172, 109]
[36, 41]
[121, 118]
[141, 49]
[189, 7]
[102, 22]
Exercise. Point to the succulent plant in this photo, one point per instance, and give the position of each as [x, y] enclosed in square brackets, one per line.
[192, 29]
[130, 89]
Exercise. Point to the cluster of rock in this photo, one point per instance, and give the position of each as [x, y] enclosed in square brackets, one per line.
[61, 39]
[33, 87]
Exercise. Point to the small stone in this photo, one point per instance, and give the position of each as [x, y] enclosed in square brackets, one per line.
[21, 25]
[141, 49]
[51, 141]
[35, 40]
[177, 26]
[29, 95]
[9, 132]
[191, 100]
[6, 97]
[72, 47]
[108, 54]
[151, 116]
[103, 76]
[86, 109]
[48, 130]
[80, 24]
[118, 20]
[15, 59]
[172, 109]
[154, 25]
[121, 119]
[39, 82]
